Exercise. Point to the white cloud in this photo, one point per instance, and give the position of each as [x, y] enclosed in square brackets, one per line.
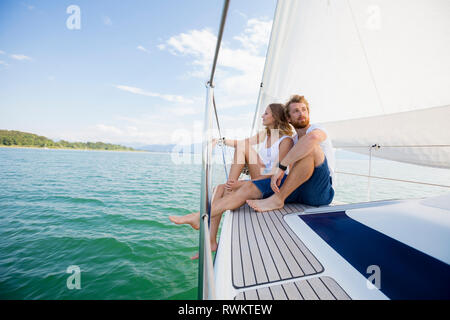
[145, 129]
[239, 69]
[167, 97]
[108, 129]
[199, 44]
[20, 57]
[141, 48]
[255, 35]
[2, 52]
[4, 63]
[28, 6]
[243, 15]
[107, 21]
[117, 134]
[182, 111]
[169, 127]
[238, 75]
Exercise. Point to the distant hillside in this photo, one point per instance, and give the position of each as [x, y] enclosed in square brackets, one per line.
[24, 139]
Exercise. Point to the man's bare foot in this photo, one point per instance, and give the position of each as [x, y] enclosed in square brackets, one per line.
[213, 249]
[271, 203]
[193, 219]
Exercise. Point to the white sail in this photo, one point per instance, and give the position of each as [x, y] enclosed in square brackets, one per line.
[373, 71]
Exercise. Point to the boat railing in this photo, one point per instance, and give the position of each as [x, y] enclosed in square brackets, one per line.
[370, 176]
[206, 285]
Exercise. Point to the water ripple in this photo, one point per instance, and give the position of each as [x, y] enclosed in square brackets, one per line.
[104, 212]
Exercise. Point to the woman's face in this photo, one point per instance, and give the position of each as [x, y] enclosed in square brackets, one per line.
[267, 117]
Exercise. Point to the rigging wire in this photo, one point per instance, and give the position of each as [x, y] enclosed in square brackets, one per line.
[210, 83]
[372, 76]
[220, 135]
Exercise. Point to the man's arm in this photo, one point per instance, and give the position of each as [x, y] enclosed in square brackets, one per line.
[304, 146]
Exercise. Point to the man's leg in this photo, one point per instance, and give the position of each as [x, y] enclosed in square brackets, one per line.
[300, 172]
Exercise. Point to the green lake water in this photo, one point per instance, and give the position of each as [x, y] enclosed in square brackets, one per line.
[107, 213]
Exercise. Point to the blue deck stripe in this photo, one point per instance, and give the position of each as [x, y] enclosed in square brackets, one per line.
[405, 272]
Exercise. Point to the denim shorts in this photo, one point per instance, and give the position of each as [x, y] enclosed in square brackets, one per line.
[317, 191]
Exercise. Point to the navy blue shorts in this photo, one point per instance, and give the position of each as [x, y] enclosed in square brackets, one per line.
[317, 191]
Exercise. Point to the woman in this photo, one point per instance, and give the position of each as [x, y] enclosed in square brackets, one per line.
[277, 143]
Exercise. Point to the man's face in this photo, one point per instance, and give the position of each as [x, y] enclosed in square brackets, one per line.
[298, 115]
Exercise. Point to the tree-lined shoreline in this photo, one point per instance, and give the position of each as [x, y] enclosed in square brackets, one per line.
[13, 138]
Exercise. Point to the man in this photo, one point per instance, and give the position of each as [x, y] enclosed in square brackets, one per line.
[312, 165]
[309, 178]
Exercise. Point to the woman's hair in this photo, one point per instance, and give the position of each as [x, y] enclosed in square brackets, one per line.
[281, 122]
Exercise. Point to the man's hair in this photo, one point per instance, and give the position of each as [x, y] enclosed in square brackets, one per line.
[295, 99]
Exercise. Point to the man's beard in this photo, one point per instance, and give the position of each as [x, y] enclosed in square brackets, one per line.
[300, 124]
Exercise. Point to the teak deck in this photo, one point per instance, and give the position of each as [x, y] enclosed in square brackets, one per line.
[265, 250]
[318, 288]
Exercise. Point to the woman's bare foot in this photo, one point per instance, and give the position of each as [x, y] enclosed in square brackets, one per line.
[213, 249]
[232, 185]
[271, 203]
[193, 219]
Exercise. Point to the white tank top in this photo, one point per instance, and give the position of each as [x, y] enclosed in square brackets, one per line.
[269, 156]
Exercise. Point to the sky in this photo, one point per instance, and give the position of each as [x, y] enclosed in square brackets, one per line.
[129, 72]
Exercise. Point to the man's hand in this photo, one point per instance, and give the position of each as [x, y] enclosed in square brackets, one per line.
[276, 180]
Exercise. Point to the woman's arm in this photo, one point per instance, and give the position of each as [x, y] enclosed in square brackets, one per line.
[256, 139]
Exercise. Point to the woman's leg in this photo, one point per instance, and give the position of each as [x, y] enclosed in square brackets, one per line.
[230, 201]
[193, 219]
[227, 201]
[244, 154]
[238, 163]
